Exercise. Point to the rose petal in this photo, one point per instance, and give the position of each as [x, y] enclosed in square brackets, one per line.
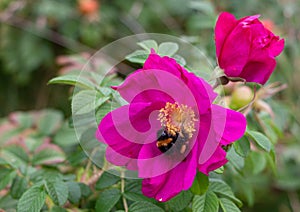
[235, 51]
[156, 85]
[166, 186]
[224, 25]
[229, 123]
[259, 71]
[217, 160]
[117, 128]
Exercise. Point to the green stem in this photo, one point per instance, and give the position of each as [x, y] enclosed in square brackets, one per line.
[122, 191]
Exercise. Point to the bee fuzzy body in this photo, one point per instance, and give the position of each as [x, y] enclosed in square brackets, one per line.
[168, 143]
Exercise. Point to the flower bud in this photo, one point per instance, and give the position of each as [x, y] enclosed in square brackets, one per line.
[241, 97]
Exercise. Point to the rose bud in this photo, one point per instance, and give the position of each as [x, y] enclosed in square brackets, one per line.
[241, 97]
[245, 48]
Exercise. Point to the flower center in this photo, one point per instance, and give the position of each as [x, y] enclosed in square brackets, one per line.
[178, 126]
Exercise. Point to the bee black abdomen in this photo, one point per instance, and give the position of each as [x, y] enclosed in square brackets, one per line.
[166, 141]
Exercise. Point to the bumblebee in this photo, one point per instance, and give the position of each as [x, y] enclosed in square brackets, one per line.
[169, 143]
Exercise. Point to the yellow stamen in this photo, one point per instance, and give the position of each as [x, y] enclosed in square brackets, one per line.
[177, 118]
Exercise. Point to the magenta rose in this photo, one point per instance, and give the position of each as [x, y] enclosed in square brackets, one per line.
[245, 48]
[169, 129]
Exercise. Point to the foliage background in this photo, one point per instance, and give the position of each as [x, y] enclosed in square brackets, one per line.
[35, 34]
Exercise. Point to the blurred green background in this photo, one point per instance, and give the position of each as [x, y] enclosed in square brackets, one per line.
[34, 34]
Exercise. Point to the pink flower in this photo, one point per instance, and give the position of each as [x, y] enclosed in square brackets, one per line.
[169, 129]
[245, 48]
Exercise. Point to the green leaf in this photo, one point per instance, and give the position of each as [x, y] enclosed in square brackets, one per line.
[207, 202]
[18, 187]
[3, 162]
[271, 160]
[25, 120]
[106, 180]
[242, 146]
[167, 49]
[74, 192]
[6, 176]
[86, 101]
[16, 155]
[49, 122]
[7, 203]
[179, 59]
[148, 45]
[236, 160]
[203, 6]
[200, 184]
[32, 200]
[102, 111]
[144, 207]
[57, 190]
[138, 56]
[65, 137]
[48, 156]
[107, 199]
[228, 206]
[258, 162]
[57, 209]
[260, 139]
[85, 190]
[181, 201]
[221, 188]
[219, 170]
[138, 197]
[73, 80]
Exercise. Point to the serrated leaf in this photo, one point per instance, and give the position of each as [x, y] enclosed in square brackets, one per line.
[48, 156]
[207, 202]
[50, 121]
[102, 111]
[85, 190]
[242, 146]
[138, 197]
[107, 199]
[6, 176]
[18, 187]
[106, 180]
[32, 200]
[74, 192]
[181, 201]
[235, 159]
[15, 155]
[73, 80]
[133, 186]
[200, 184]
[57, 190]
[167, 49]
[148, 45]
[7, 202]
[228, 206]
[221, 188]
[86, 101]
[138, 56]
[260, 139]
[144, 207]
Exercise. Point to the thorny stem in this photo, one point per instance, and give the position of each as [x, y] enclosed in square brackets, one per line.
[122, 191]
